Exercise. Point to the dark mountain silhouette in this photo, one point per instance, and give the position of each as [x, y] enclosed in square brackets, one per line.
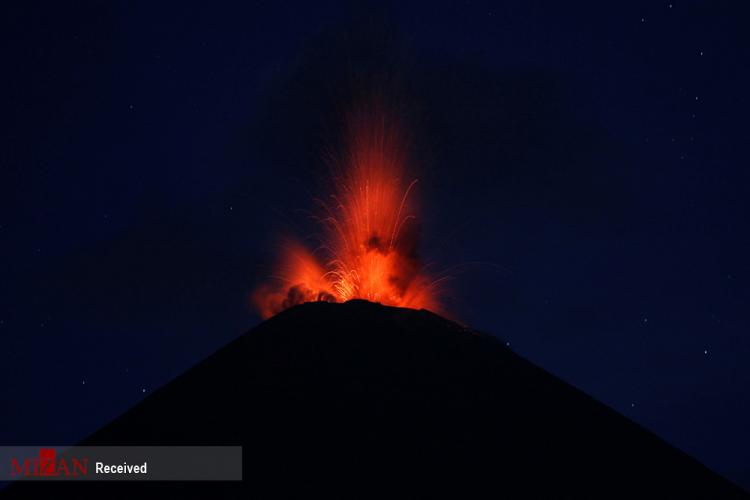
[358, 399]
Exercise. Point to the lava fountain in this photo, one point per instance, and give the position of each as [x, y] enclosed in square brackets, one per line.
[368, 226]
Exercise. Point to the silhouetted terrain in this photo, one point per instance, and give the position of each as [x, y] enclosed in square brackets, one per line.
[359, 399]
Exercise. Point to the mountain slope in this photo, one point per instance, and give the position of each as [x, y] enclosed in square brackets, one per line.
[356, 398]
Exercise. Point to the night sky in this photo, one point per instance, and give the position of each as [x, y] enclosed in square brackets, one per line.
[583, 175]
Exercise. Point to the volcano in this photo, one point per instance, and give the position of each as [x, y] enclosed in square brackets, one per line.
[359, 399]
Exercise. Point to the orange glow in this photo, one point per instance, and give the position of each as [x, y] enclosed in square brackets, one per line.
[369, 234]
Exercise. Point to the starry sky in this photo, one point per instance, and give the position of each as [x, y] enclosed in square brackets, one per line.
[583, 170]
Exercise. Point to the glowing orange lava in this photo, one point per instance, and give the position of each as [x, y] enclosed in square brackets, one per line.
[369, 233]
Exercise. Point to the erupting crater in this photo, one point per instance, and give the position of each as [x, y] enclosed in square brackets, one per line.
[369, 233]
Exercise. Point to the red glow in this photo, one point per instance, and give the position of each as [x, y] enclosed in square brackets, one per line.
[369, 230]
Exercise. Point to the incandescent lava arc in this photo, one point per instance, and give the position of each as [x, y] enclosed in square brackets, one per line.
[368, 226]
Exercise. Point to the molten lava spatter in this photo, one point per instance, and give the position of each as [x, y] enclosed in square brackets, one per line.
[369, 247]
